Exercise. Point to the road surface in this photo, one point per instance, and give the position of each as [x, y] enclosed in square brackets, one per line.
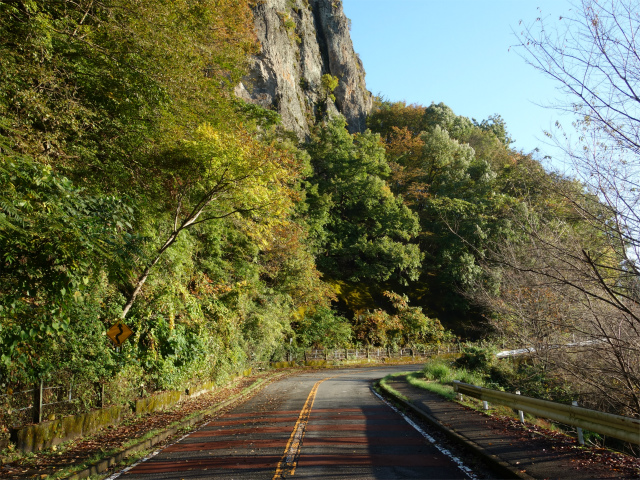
[324, 424]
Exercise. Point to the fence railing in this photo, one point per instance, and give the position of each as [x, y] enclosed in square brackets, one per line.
[40, 401]
[62, 396]
[531, 350]
[618, 426]
[376, 353]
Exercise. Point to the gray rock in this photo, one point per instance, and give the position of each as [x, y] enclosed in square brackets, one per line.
[301, 41]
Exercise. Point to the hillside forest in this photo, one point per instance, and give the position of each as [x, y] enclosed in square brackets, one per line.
[135, 186]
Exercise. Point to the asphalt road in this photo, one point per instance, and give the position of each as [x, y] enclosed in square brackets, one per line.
[326, 424]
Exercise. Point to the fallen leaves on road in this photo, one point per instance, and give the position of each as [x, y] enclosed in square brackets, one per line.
[115, 437]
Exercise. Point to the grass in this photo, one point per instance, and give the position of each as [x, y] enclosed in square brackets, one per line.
[442, 372]
[437, 376]
[437, 371]
[386, 385]
[418, 380]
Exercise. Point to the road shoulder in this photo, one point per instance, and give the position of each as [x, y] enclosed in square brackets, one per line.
[514, 451]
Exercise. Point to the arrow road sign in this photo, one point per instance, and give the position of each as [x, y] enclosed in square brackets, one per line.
[118, 333]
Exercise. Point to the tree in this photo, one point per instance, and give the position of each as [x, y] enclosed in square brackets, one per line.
[328, 83]
[96, 87]
[386, 115]
[59, 244]
[456, 191]
[323, 329]
[570, 289]
[133, 102]
[594, 59]
[542, 295]
[405, 327]
[360, 229]
[217, 175]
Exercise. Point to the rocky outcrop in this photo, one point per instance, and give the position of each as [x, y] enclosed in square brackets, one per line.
[301, 41]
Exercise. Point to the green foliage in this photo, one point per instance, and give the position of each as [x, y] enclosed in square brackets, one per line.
[328, 83]
[464, 183]
[406, 327]
[417, 328]
[445, 372]
[470, 377]
[55, 241]
[323, 329]
[497, 126]
[476, 357]
[377, 328]
[417, 380]
[478, 365]
[129, 171]
[437, 370]
[96, 86]
[442, 116]
[385, 116]
[133, 102]
[359, 228]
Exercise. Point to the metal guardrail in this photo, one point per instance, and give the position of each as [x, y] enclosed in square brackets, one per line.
[526, 350]
[618, 426]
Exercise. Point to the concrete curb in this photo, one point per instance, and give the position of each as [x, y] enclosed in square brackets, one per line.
[500, 466]
[104, 463]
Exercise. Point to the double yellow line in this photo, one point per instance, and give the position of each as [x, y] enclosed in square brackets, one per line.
[289, 460]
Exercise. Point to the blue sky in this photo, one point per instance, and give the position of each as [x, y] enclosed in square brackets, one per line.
[458, 52]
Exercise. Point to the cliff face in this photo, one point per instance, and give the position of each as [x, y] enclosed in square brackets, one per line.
[302, 40]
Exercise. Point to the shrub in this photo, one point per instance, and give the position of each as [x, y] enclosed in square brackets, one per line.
[439, 371]
[478, 358]
[466, 376]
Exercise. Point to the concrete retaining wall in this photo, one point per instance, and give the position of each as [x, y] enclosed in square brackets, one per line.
[48, 434]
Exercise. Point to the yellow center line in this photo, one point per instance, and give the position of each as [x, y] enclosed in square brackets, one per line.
[289, 461]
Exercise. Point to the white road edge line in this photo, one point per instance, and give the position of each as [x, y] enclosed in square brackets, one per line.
[442, 450]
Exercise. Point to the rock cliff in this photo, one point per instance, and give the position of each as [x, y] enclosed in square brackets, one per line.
[302, 41]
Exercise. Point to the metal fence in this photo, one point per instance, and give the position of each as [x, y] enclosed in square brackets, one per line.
[38, 403]
[63, 396]
[375, 354]
[623, 428]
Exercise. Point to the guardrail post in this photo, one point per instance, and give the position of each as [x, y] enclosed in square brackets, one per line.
[485, 405]
[618, 426]
[455, 389]
[579, 430]
[37, 402]
[520, 412]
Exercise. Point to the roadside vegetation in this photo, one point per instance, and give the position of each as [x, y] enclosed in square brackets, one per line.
[478, 365]
[134, 186]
